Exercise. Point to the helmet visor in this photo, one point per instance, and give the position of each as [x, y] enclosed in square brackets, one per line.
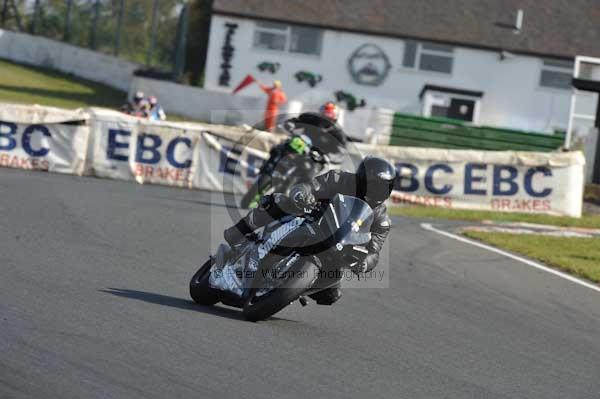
[378, 191]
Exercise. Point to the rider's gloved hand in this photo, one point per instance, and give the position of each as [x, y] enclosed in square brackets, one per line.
[289, 125]
[359, 268]
[317, 156]
[303, 197]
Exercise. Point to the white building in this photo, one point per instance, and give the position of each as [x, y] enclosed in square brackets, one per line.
[483, 61]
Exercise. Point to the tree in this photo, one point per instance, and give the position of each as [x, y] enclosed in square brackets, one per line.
[197, 40]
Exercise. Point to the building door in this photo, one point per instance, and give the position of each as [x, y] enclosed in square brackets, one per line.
[448, 102]
[461, 109]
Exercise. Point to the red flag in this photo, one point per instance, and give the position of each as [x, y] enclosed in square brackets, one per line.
[249, 79]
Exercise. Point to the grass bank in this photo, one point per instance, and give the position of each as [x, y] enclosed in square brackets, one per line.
[578, 256]
[588, 221]
[24, 84]
[35, 85]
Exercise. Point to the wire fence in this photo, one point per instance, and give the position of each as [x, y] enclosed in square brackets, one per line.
[149, 32]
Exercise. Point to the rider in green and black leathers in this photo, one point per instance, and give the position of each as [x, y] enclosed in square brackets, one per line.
[373, 182]
[317, 142]
[326, 135]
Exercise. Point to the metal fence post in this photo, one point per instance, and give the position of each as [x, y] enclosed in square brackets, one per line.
[180, 42]
[94, 27]
[67, 32]
[4, 11]
[152, 33]
[119, 25]
[36, 13]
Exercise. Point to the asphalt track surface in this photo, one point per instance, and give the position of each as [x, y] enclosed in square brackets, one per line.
[94, 304]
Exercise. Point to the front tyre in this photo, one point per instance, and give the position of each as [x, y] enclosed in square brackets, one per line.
[200, 289]
[301, 278]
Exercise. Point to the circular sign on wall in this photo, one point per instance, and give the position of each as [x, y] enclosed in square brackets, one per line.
[369, 65]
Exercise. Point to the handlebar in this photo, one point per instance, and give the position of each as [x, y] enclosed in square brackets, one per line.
[319, 157]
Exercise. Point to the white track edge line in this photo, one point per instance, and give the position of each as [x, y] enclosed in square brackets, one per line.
[429, 227]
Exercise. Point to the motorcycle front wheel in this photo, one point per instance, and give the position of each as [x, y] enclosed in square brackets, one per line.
[300, 278]
[200, 289]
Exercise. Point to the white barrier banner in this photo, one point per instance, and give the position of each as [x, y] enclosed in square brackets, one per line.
[507, 181]
[24, 113]
[528, 182]
[144, 153]
[50, 147]
[182, 155]
[228, 165]
[226, 159]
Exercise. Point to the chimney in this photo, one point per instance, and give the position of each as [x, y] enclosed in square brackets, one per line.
[518, 22]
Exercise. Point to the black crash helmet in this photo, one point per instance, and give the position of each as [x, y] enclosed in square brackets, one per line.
[375, 180]
[327, 136]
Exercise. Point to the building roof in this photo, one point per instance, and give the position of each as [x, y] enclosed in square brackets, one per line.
[558, 28]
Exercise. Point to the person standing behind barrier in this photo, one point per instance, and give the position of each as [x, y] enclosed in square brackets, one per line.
[138, 106]
[155, 112]
[276, 98]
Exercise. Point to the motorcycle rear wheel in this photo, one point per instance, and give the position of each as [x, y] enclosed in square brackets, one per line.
[200, 289]
[302, 277]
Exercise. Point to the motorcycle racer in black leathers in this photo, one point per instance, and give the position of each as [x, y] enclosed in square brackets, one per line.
[373, 182]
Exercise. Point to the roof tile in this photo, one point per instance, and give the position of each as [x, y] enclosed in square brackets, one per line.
[561, 28]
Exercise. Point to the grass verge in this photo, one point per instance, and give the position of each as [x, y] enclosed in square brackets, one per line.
[588, 221]
[24, 84]
[577, 256]
[43, 86]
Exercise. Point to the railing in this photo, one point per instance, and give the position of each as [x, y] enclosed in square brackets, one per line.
[409, 130]
[148, 32]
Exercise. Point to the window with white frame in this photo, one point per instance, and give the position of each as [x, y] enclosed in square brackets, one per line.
[270, 36]
[428, 57]
[289, 38]
[556, 74]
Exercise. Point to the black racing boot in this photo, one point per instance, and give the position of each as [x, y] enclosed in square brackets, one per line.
[328, 296]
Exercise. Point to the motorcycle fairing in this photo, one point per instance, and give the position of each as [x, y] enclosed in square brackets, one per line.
[348, 221]
[230, 275]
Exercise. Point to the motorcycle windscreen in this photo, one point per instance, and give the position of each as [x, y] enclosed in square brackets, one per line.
[350, 219]
[325, 142]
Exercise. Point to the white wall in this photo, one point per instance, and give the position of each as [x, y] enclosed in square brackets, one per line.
[513, 97]
[91, 65]
[590, 144]
[207, 105]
